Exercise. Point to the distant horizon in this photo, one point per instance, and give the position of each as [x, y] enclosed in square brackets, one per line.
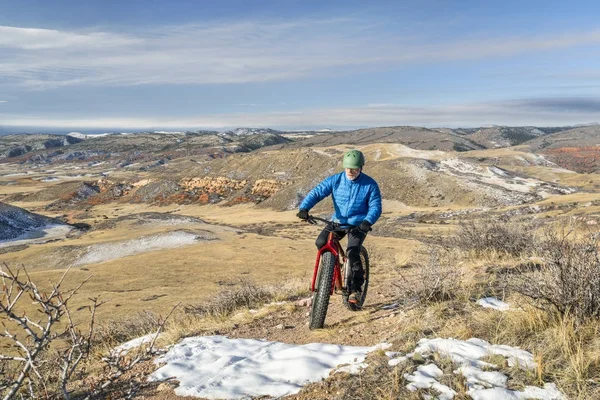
[4, 131]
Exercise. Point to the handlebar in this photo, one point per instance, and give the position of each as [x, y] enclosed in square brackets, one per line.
[313, 221]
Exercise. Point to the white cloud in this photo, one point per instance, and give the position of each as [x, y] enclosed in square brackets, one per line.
[3, 101]
[235, 52]
[39, 39]
[540, 112]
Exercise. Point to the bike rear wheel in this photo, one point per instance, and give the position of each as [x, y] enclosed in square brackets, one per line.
[320, 300]
[364, 258]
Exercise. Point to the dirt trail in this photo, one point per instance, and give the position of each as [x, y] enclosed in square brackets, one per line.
[367, 327]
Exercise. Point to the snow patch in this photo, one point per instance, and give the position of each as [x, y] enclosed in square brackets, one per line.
[216, 367]
[392, 306]
[400, 150]
[111, 251]
[490, 175]
[323, 153]
[132, 344]
[15, 174]
[39, 235]
[481, 385]
[478, 379]
[395, 358]
[353, 369]
[548, 392]
[470, 351]
[492, 302]
[77, 135]
[426, 377]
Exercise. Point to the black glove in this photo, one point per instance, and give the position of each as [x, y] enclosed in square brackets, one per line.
[365, 226]
[302, 214]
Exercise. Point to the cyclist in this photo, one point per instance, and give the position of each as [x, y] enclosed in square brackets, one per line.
[356, 202]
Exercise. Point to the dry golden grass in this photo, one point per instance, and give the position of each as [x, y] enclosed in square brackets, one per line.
[567, 352]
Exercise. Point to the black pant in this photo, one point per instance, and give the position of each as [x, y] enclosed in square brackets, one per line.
[355, 241]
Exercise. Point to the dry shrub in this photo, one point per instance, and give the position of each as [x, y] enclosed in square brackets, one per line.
[567, 352]
[437, 279]
[568, 279]
[490, 236]
[52, 356]
[210, 316]
[246, 294]
[122, 330]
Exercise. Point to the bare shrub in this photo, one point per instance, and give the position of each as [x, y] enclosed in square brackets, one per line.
[437, 279]
[246, 294]
[26, 363]
[43, 358]
[119, 363]
[568, 279]
[501, 238]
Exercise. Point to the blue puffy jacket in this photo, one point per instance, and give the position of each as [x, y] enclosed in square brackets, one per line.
[353, 201]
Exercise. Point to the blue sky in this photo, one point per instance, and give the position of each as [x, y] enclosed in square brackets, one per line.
[91, 65]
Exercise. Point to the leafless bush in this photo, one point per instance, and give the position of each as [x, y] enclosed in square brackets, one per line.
[568, 279]
[502, 238]
[25, 359]
[437, 279]
[118, 363]
[42, 358]
[247, 294]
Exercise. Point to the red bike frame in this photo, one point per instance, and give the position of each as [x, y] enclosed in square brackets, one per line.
[334, 247]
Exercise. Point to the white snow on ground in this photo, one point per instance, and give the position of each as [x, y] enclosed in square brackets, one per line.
[395, 358]
[39, 235]
[492, 302]
[548, 392]
[470, 351]
[132, 344]
[481, 379]
[425, 377]
[77, 135]
[481, 385]
[323, 153]
[495, 176]
[401, 150]
[352, 368]
[98, 253]
[15, 174]
[216, 367]
[490, 175]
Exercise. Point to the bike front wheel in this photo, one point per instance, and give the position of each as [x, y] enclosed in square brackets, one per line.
[320, 300]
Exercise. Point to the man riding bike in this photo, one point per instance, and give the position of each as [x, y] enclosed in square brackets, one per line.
[357, 202]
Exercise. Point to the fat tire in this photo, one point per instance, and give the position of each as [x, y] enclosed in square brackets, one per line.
[364, 255]
[320, 300]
